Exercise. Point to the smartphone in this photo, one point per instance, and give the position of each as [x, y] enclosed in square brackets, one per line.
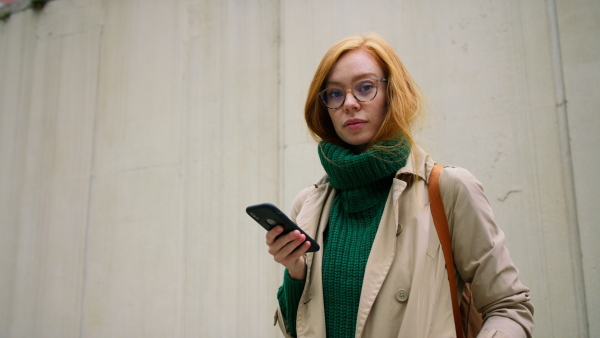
[268, 216]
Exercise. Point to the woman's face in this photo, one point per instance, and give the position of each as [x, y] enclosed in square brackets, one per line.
[356, 122]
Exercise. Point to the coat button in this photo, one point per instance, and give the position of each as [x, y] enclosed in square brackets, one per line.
[402, 295]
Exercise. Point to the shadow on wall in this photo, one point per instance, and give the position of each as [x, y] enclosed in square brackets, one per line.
[8, 7]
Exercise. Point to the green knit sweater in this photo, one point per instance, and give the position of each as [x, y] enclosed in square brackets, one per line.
[362, 182]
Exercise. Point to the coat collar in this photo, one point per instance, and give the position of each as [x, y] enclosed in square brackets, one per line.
[419, 164]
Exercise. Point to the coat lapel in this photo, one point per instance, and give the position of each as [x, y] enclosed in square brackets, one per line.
[381, 256]
[313, 219]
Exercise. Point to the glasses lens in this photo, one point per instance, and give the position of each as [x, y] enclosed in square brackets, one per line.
[332, 97]
[365, 90]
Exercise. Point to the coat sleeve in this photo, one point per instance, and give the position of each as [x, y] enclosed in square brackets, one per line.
[280, 313]
[482, 259]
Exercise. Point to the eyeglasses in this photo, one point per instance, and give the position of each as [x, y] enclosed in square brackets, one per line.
[363, 90]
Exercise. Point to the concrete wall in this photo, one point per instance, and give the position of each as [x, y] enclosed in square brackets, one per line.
[134, 133]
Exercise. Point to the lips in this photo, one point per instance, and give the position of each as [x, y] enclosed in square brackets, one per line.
[354, 123]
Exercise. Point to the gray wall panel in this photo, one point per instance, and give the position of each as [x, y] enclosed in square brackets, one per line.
[134, 133]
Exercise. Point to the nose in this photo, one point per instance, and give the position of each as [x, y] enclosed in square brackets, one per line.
[351, 103]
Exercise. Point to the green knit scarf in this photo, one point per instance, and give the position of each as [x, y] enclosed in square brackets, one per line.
[363, 182]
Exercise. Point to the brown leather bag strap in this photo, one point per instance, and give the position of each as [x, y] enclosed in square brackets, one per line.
[441, 225]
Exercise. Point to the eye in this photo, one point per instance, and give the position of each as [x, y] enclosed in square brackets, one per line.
[333, 93]
[364, 86]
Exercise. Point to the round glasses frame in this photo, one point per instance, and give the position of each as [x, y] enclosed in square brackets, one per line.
[323, 93]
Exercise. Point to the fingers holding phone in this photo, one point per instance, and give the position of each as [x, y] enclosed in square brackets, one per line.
[286, 240]
[288, 250]
[269, 216]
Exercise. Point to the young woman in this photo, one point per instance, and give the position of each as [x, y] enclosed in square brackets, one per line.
[381, 271]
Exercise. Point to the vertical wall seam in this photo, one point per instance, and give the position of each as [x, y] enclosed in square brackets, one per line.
[281, 114]
[90, 196]
[184, 127]
[567, 167]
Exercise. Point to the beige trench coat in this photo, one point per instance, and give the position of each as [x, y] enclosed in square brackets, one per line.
[405, 291]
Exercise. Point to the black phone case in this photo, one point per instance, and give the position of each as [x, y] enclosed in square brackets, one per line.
[268, 216]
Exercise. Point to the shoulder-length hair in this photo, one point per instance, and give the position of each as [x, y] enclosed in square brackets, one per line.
[404, 100]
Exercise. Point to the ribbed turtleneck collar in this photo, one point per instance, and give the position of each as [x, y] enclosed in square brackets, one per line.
[347, 169]
[361, 177]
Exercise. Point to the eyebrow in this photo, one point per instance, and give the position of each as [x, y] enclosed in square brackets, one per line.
[354, 78]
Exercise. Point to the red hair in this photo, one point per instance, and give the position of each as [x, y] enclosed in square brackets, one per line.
[404, 98]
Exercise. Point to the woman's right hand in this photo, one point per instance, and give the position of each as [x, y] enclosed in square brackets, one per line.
[288, 250]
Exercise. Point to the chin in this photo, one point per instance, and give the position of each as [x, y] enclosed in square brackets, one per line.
[357, 146]
[357, 142]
